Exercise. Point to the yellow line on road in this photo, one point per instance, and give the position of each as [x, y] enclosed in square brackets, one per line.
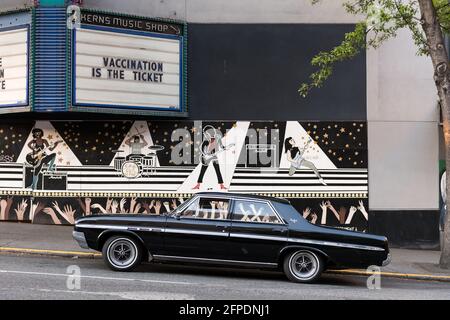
[50, 252]
[392, 274]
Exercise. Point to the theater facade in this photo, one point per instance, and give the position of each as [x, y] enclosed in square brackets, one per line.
[107, 111]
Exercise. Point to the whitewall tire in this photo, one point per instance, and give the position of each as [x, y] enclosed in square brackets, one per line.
[122, 253]
[303, 266]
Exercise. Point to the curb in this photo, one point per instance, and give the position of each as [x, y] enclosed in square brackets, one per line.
[413, 276]
[59, 253]
[95, 255]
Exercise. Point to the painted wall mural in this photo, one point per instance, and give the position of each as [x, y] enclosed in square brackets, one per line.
[57, 171]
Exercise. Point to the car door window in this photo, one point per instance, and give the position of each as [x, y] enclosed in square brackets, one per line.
[207, 208]
[254, 211]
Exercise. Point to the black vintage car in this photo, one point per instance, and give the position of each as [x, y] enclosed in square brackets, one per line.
[233, 230]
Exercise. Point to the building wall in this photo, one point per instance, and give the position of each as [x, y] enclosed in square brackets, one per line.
[403, 127]
[403, 135]
[253, 72]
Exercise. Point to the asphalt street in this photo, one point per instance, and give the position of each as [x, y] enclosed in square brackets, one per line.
[42, 277]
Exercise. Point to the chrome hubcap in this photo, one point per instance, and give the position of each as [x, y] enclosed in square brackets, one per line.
[122, 253]
[304, 265]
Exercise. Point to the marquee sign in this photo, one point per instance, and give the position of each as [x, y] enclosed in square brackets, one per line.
[130, 22]
[14, 48]
[127, 65]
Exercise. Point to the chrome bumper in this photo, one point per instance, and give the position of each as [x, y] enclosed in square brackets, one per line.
[387, 261]
[80, 238]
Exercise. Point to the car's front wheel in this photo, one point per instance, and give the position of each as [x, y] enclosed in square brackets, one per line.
[122, 253]
[303, 266]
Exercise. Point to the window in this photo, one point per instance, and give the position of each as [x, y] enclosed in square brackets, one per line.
[254, 211]
[207, 208]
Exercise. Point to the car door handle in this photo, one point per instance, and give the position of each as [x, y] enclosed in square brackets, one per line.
[281, 230]
[221, 226]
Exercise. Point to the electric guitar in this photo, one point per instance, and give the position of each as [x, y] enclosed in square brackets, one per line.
[35, 157]
[298, 159]
[207, 157]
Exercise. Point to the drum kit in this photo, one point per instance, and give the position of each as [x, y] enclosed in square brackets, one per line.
[137, 165]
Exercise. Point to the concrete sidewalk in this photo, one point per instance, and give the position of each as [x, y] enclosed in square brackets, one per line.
[40, 239]
[57, 240]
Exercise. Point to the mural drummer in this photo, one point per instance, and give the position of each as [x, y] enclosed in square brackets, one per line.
[136, 143]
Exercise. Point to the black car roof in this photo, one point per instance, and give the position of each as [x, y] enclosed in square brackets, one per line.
[242, 195]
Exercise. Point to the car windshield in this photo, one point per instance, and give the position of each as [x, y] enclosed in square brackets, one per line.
[180, 208]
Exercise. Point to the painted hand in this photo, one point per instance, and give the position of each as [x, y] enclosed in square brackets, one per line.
[123, 201]
[99, 206]
[361, 205]
[166, 205]
[313, 218]
[351, 212]
[323, 206]
[49, 211]
[132, 204]
[70, 213]
[108, 204]
[52, 214]
[306, 212]
[137, 208]
[21, 208]
[157, 206]
[3, 205]
[114, 206]
[146, 206]
[363, 209]
[87, 202]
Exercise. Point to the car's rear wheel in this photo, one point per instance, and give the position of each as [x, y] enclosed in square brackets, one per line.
[122, 253]
[303, 266]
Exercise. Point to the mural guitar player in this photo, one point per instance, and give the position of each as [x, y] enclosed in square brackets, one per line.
[39, 156]
[295, 157]
[211, 146]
